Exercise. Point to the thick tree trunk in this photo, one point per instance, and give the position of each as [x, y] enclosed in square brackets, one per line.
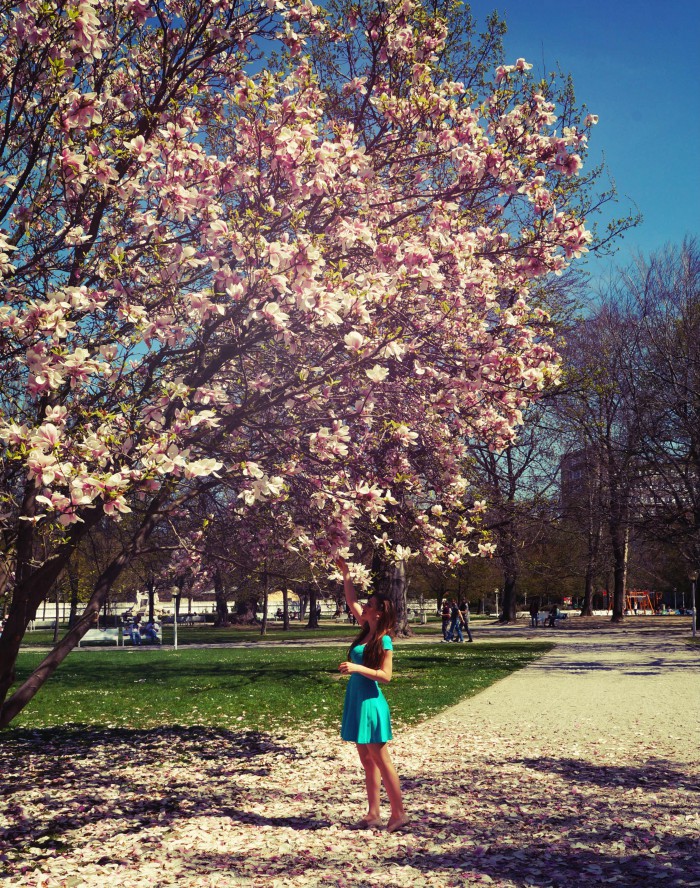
[245, 612]
[28, 602]
[57, 590]
[303, 603]
[390, 579]
[222, 615]
[587, 606]
[285, 609]
[32, 586]
[5, 574]
[73, 579]
[619, 538]
[508, 557]
[26, 598]
[89, 618]
[313, 615]
[509, 612]
[266, 598]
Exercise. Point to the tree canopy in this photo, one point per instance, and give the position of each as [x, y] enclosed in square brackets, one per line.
[303, 284]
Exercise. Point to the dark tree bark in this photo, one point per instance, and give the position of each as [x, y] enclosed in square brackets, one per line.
[266, 598]
[592, 555]
[313, 614]
[390, 579]
[32, 587]
[222, 615]
[15, 703]
[73, 579]
[587, 605]
[246, 608]
[509, 612]
[303, 595]
[285, 608]
[619, 543]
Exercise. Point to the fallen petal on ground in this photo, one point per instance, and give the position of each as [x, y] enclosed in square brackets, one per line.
[498, 795]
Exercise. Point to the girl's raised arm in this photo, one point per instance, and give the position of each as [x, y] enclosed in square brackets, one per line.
[349, 589]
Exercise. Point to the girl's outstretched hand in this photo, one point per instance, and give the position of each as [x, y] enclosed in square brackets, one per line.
[341, 565]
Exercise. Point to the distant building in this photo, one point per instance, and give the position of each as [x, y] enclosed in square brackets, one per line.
[653, 493]
[579, 471]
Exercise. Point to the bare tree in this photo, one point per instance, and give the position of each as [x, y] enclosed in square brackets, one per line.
[598, 409]
[665, 386]
[518, 483]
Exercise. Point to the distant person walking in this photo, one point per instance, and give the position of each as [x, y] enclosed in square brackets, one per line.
[464, 614]
[366, 718]
[455, 624]
[534, 612]
[445, 618]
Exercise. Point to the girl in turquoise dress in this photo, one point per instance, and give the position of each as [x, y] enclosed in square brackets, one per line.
[366, 719]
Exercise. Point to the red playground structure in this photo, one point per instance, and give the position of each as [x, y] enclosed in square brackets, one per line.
[638, 601]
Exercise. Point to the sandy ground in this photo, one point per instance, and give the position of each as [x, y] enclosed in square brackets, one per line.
[628, 686]
[579, 770]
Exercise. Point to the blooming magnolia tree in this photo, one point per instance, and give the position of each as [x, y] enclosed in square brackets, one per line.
[215, 276]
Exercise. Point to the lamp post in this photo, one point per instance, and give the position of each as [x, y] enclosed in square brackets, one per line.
[497, 611]
[693, 576]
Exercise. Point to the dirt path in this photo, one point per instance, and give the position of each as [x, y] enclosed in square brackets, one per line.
[625, 687]
[580, 770]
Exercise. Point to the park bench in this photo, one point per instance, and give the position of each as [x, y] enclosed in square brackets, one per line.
[100, 636]
[145, 642]
[544, 615]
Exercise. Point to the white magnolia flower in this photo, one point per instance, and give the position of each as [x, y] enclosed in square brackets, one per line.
[377, 373]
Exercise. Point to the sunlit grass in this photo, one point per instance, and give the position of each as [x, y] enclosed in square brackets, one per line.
[261, 688]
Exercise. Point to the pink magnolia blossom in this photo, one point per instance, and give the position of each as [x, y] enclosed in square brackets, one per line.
[223, 281]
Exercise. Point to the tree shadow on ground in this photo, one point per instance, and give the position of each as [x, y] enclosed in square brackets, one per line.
[578, 824]
[601, 657]
[672, 864]
[655, 775]
[510, 828]
[82, 770]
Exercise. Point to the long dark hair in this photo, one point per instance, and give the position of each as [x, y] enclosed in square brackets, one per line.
[386, 625]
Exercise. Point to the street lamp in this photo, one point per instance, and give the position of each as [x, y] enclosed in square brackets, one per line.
[497, 611]
[693, 576]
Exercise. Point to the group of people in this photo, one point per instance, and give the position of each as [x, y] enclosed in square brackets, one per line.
[455, 618]
[552, 616]
[147, 634]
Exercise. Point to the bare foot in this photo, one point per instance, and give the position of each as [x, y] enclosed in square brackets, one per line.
[397, 822]
[368, 823]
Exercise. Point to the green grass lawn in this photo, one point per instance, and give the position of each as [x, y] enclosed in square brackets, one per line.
[261, 688]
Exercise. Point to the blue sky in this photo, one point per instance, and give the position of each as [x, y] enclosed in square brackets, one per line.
[636, 65]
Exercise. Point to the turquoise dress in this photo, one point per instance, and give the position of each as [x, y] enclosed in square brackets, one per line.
[366, 716]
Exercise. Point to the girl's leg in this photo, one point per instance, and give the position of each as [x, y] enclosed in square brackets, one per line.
[390, 779]
[373, 782]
